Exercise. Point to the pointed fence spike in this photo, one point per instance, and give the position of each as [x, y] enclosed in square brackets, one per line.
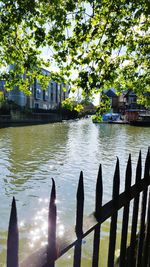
[99, 193]
[125, 220]
[131, 258]
[13, 237]
[80, 206]
[113, 225]
[52, 216]
[147, 167]
[80, 190]
[116, 181]
[53, 191]
[98, 205]
[139, 168]
[143, 211]
[79, 222]
[128, 174]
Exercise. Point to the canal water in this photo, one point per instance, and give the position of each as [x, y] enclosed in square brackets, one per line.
[30, 156]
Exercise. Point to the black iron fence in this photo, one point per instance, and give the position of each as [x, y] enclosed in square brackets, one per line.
[136, 253]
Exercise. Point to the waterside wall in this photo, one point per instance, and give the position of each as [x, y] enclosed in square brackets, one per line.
[17, 117]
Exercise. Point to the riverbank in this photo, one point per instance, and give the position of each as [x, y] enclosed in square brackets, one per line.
[21, 119]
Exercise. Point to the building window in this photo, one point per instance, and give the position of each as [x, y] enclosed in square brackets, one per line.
[37, 90]
[36, 106]
[45, 95]
[38, 93]
[56, 92]
[52, 92]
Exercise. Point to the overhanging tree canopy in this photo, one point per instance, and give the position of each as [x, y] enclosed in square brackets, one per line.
[102, 42]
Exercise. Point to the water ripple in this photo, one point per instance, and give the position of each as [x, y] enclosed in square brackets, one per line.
[31, 156]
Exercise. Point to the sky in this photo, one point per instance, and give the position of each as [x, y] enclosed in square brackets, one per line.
[47, 53]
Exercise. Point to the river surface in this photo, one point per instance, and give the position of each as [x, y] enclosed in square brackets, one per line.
[30, 156]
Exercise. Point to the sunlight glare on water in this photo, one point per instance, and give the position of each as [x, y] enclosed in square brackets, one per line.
[30, 156]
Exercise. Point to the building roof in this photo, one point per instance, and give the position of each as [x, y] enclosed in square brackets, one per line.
[129, 93]
[110, 93]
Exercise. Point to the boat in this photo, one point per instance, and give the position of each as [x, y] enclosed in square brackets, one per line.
[110, 117]
[113, 118]
[138, 117]
[143, 120]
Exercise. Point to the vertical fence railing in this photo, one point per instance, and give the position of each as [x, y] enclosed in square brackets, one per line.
[146, 252]
[113, 225]
[139, 242]
[52, 217]
[13, 236]
[79, 222]
[98, 205]
[122, 261]
[131, 258]
[146, 245]
[143, 213]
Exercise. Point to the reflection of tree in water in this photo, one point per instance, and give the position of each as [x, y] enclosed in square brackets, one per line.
[120, 140]
[107, 132]
[107, 141]
[32, 147]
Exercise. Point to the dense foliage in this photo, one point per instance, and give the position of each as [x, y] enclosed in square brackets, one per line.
[71, 104]
[96, 44]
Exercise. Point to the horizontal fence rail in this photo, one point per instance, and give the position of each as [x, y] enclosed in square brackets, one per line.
[136, 254]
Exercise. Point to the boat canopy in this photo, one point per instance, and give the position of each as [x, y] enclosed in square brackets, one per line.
[111, 116]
